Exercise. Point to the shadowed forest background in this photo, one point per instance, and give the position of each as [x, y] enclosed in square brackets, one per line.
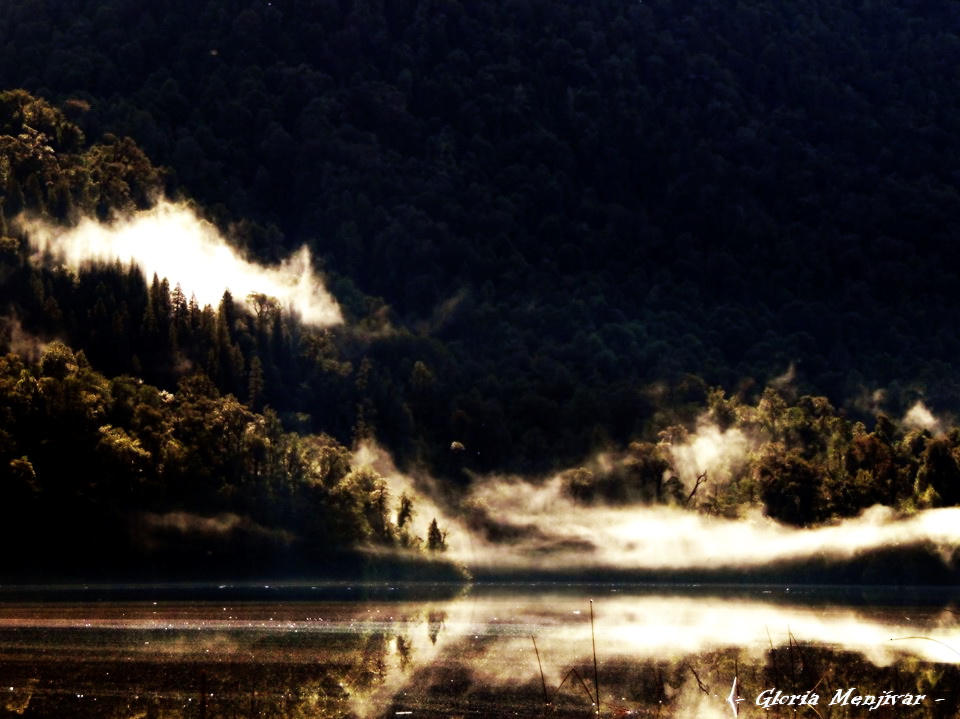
[554, 228]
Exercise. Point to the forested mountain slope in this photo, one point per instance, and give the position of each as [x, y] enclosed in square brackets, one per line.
[534, 211]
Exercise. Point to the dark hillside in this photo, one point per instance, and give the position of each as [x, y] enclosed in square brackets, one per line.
[561, 203]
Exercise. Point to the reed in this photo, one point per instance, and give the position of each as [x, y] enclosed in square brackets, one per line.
[596, 676]
[593, 696]
[543, 680]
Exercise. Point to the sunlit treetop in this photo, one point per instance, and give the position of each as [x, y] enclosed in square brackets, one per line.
[47, 168]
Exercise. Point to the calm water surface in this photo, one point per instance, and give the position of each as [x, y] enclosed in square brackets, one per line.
[494, 651]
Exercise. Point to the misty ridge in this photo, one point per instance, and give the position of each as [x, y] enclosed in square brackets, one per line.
[726, 486]
[600, 272]
[552, 206]
[715, 511]
[488, 304]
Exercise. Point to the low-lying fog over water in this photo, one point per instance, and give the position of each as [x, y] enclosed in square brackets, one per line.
[540, 527]
[487, 652]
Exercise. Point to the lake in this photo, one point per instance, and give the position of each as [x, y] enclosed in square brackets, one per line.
[301, 650]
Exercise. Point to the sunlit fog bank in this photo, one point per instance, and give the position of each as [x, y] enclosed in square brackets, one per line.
[556, 533]
[171, 241]
[920, 417]
[519, 524]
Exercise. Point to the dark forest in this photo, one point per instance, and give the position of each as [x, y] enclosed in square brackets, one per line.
[554, 228]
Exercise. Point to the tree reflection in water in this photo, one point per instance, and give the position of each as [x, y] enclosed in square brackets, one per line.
[476, 656]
